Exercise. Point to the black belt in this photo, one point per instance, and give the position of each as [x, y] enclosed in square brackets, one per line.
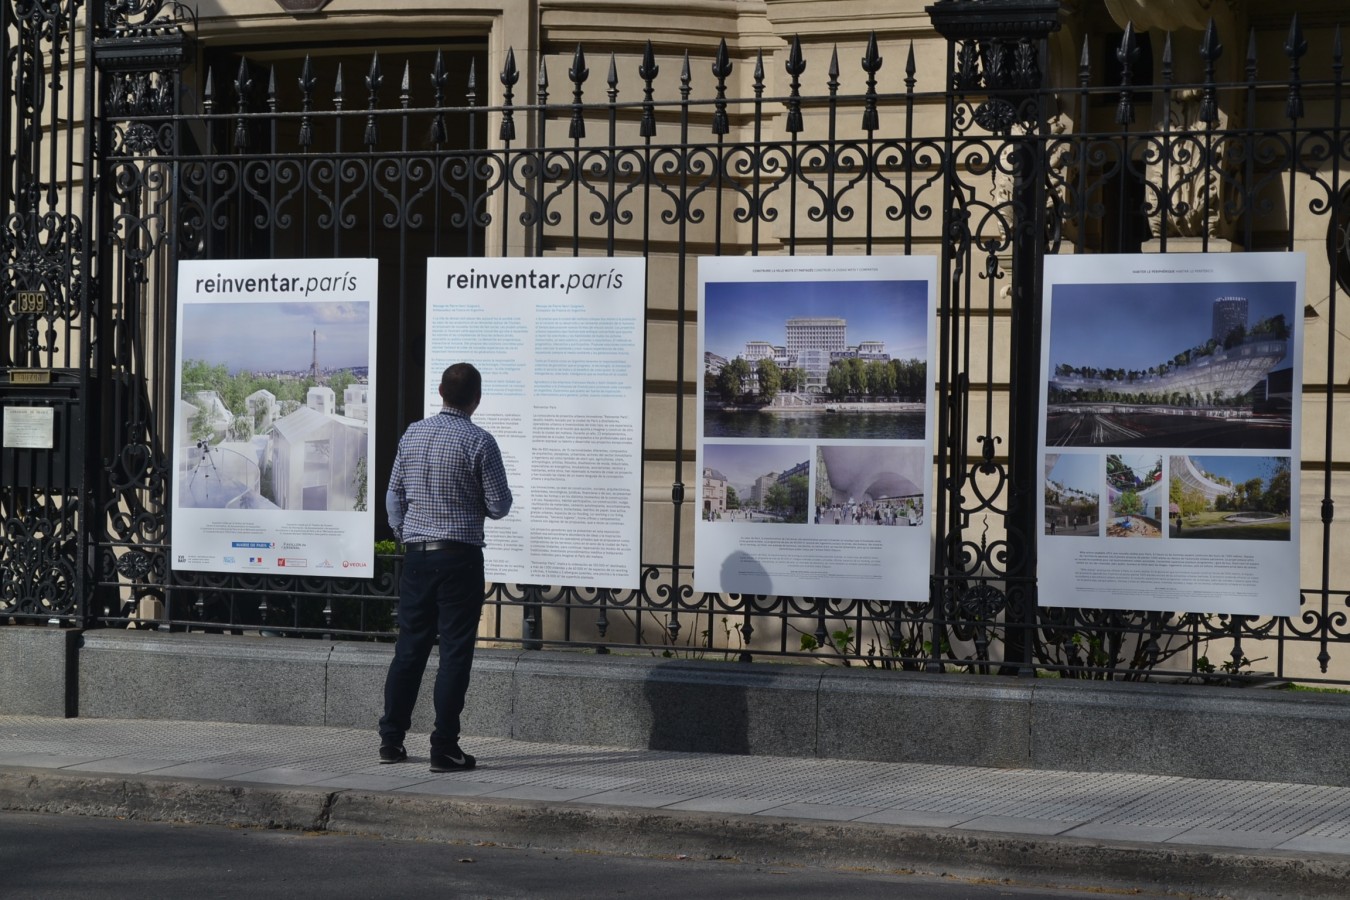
[423, 546]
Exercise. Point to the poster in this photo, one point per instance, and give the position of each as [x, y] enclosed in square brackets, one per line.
[814, 426]
[560, 344]
[1169, 438]
[276, 406]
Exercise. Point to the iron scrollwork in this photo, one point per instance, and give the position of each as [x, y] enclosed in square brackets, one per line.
[704, 171]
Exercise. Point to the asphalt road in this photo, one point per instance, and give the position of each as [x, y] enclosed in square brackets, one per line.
[1077, 429]
[59, 857]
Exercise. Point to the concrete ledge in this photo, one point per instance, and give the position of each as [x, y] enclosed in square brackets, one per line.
[355, 694]
[37, 671]
[719, 707]
[1191, 731]
[662, 704]
[198, 677]
[915, 717]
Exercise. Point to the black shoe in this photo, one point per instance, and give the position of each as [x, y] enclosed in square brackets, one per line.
[456, 760]
[392, 753]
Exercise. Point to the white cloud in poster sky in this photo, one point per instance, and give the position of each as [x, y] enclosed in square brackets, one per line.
[277, 336]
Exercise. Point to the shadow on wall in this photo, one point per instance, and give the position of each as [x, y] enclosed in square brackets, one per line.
[714, 718]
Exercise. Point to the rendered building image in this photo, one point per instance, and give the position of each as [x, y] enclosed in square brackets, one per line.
[813, 344]
[714, 493]
[1184, 469]
[1229, 313]
[1234, 362]
[829, 334]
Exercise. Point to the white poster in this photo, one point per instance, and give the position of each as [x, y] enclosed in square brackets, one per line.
[1169, 438]
[276, 408]
[560, 343]
[815, 433]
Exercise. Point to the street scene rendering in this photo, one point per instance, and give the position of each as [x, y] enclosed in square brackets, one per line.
[862, 485]
[754, 483]
[1072, 494]
[1134, 491]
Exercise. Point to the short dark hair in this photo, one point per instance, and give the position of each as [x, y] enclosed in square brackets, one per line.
[461, 386]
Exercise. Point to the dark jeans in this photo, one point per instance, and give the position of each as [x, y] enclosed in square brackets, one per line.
[440, 595]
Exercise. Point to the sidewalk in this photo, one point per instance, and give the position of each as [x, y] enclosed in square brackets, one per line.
[1215, 838]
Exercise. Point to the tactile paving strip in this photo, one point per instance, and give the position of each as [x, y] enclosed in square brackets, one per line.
[852, 787]
[1238, 806]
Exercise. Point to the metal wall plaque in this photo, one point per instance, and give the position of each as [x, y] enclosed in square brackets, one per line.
[30, 303]
[30, 376]
[30, 427]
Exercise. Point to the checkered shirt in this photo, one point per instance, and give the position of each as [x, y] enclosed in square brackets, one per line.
[448, 476]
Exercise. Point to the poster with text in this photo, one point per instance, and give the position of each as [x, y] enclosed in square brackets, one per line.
[560, 344]
[1169, 435]
[273, 427]
[814, 426]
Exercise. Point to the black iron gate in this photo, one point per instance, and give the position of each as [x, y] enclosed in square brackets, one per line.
[185, 154]
[46, 385]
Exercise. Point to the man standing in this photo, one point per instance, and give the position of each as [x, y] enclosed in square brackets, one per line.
[448, 476]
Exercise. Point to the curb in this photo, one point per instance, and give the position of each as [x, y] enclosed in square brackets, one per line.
[628, 831]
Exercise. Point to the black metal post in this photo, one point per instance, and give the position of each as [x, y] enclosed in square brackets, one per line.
[1002, 57]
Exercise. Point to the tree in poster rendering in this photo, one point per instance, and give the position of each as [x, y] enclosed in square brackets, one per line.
[787, 500]
[1129, 504]
[794, 380]
[836, 382]
[880, 378]
[731, 382]
[770, 379]
[1277, 489]
[201, 427]
[1189, 501]
[797, 488]
[339, 382]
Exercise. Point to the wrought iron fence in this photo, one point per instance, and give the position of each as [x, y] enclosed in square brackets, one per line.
[396, 156]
